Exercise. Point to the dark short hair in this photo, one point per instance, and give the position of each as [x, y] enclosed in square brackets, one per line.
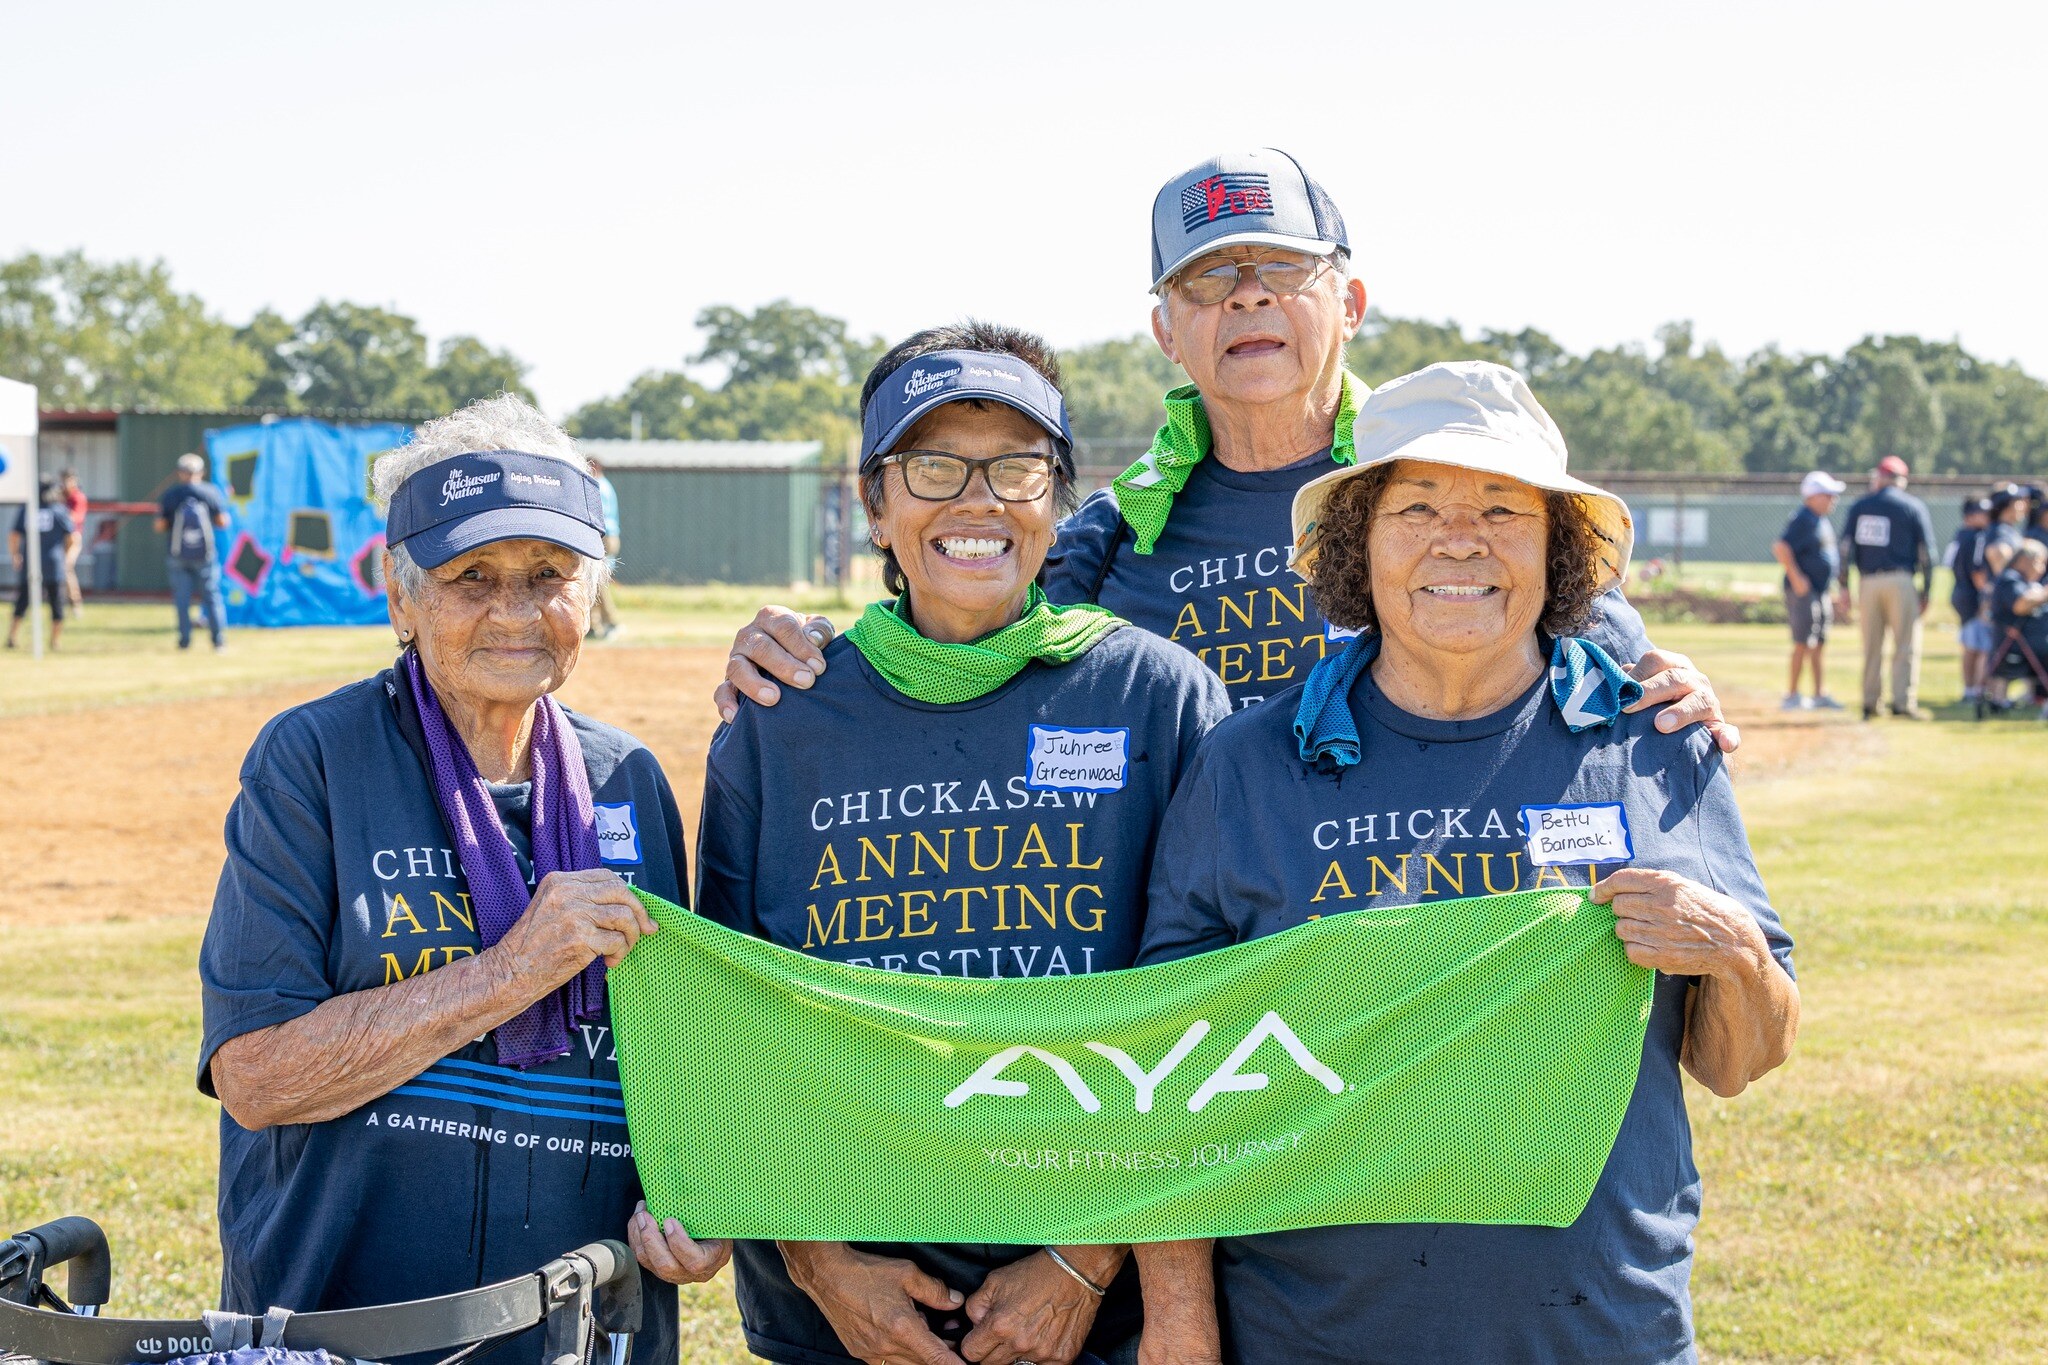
[970, 335]
[1341, 572]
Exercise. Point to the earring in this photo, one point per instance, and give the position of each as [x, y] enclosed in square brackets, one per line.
[405, 637]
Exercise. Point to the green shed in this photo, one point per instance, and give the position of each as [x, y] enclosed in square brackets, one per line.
[715, 511]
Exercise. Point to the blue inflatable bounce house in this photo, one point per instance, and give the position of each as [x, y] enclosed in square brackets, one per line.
[304, 543]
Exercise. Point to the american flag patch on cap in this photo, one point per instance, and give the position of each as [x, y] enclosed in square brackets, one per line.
[1224, 196]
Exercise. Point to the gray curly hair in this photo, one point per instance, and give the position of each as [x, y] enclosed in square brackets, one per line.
[501, 423]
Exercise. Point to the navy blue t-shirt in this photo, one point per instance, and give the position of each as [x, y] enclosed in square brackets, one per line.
[340, 877]
[1811, 538]
[1889, 532]
[1007, 836]
[187, 544]
[1219, 582]
[1258, 841]
[1962, 556]
[53, 528]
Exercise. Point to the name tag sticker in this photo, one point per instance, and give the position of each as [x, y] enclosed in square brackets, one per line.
[1873, 530]
[1573, 836]
[1078, 760]
[618, 836]
[1334, 633]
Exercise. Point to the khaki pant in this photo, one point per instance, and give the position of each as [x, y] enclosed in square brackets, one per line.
[604, 613]
[1889, 602]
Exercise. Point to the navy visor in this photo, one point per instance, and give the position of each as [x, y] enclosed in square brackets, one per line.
[917, 386]
[455, 505]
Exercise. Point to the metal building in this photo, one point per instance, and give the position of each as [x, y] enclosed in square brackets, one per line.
[715, 511]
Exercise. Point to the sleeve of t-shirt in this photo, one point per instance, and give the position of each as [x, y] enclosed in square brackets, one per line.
[1724, 844]
[672, 825]
[263, 960]
[1208, 702]
[1073, 568]
[1927, 541]
[1800, 535]
[1617, 627]
[729, 826]
[1183, 910]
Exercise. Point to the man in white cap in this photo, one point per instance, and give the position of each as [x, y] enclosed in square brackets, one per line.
[1251, 265]
[1806, 551]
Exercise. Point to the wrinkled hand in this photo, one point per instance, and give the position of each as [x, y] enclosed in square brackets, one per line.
[1672, 682]
[573, 919]
[872, 1302]
[1029, 1310]
[777, 645]
[1679, 927]
[1180, 1341]
[669, 1253]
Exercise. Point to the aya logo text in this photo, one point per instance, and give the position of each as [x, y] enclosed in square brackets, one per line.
[1227, 1077]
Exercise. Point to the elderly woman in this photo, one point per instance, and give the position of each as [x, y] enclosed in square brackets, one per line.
[1405, 770]
[973, 790]
[427, 872]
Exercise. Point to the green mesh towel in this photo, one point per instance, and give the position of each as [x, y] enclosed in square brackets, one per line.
[1460, 1061]
[944, 674]
[1145, 491]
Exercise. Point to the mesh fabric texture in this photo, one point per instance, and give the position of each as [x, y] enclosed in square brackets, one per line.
[1483, 1052]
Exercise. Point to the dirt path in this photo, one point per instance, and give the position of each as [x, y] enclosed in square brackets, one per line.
[116, 813]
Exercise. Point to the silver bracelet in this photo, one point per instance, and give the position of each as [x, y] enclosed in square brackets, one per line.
[1097, 1290]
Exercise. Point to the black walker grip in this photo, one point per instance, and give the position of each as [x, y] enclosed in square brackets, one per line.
[78, 1243]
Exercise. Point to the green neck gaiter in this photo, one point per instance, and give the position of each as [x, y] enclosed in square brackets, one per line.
[943, 674]
[1145, 491]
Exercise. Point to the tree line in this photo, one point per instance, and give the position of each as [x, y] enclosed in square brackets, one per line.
[118, 335]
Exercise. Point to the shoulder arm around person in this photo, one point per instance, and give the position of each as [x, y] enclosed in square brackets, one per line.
[1074, 567]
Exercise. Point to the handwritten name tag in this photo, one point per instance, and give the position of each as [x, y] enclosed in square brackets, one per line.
[1078, 760]
[1572, 836]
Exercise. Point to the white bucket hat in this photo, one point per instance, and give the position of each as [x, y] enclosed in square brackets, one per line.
[1470, 414]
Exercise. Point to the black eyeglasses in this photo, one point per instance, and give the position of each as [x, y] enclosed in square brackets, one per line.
[937, 476]
[1288, 274]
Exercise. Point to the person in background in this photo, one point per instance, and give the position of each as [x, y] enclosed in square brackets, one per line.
[604, 615]
[1891, 543]
[76, 504]
[2037, 512]
[2016, 601]
[1806, 551]
[1961, 560]
[189, 512]
[56, 537]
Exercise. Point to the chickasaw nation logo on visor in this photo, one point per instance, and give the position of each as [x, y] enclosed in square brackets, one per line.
[921, 382]
[1224, 196]
[462, 485]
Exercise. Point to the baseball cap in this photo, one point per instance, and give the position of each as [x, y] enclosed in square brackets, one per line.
[1472, 414]
[1258, 198]
[1976, 505]
[455, 505]
[925, 382]
[1820, 481]
[1891, 464]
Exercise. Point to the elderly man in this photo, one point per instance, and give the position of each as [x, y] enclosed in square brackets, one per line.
[1891, 541]
[1250, 260]
[1805, 550]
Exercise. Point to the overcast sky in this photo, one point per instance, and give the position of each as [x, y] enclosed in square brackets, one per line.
[575, 181]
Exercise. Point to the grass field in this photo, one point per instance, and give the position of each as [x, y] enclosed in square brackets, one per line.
[1883, 1197]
